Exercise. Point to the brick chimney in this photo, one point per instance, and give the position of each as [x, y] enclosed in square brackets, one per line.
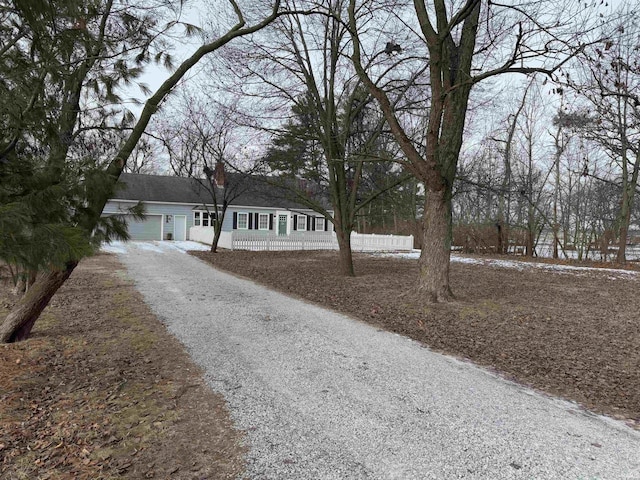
[219, 176]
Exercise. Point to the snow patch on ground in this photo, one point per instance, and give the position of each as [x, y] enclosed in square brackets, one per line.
[125, 248]
[520, 265]
[113, 247]
[187, 246]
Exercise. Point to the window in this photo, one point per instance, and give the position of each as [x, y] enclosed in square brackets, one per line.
[263, 221]
[320, 224]
[205, 219]
[302, 222]
[243, 221]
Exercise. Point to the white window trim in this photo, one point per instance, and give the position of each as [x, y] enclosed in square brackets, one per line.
[304, 223]
[202, 214]
[322, 220]
[246, 216]
[260, 217]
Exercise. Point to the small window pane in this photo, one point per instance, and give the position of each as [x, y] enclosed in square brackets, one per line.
[320, 224]
[263, 221]
[302, 222]
[243, 221]
[196, 219]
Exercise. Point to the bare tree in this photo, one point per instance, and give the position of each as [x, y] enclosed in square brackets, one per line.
[144, 158]
[462, 51]
[302, 63]
[504, 203]
[609, 82]
[199, 139]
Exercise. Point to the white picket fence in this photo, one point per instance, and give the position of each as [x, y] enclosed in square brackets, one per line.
[260, 241]
[371, 242]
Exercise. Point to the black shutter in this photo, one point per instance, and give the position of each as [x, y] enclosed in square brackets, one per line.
[326, 225]
[313, 224]
[235, 220]
[309, 217]
[256, 221]
[271, 221]
[295, 222]
[250, 221]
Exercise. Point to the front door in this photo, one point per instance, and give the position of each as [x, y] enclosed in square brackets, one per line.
[180, 227]
[282, 224]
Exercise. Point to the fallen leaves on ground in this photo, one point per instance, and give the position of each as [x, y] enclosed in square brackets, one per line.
[102, 391]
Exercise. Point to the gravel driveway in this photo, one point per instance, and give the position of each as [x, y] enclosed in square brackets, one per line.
[322, 396]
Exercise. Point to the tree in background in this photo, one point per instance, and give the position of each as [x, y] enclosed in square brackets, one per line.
[485, 190]
[198, 139]
[608, 84]
[145, 158]
[397, 212]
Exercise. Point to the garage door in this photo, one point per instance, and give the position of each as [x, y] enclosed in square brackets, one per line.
[148, 229]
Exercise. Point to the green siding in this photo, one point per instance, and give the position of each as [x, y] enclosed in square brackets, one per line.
[148, 229]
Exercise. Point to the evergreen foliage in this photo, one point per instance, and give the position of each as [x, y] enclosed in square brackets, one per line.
[365, 157]
[62, 62]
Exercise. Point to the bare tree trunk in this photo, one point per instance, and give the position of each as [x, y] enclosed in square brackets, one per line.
[216, 238]
[529, 246]
[449, 71]
[18, 324]
[628, 194]
[500, 243]
[436, 247]
[625, 218]
[531, 225]
[556, 194]
[217, 230]
[345, 258]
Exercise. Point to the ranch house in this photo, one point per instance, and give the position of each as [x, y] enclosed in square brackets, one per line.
[174, 205]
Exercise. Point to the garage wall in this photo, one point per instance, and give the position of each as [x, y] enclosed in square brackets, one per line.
[153, 212]
[148, 229]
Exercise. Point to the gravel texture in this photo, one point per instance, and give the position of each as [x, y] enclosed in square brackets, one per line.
[322, 396]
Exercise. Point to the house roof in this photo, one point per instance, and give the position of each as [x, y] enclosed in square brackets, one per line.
[250, 191]
[157, 188]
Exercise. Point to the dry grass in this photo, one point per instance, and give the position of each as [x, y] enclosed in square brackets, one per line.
[101, 391]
